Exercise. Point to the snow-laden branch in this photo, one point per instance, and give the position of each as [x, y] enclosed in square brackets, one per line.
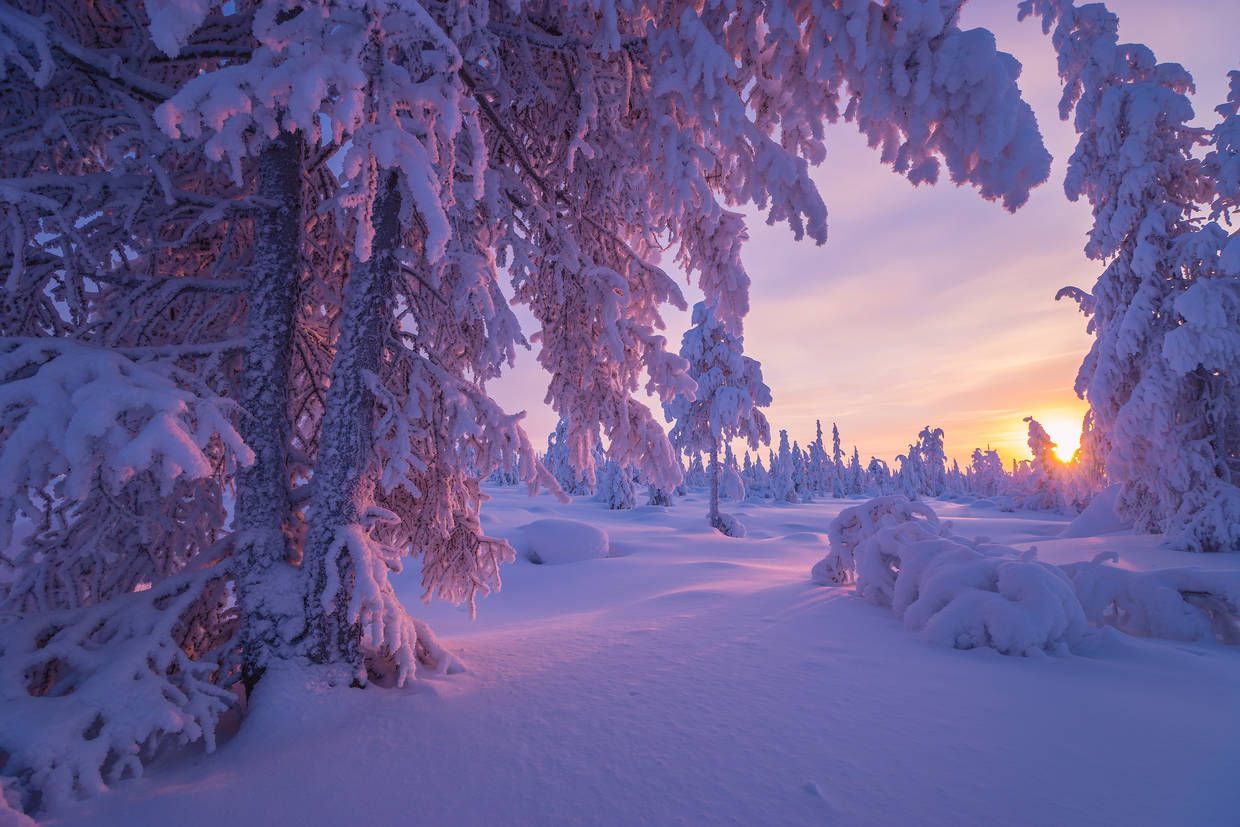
[70, 413]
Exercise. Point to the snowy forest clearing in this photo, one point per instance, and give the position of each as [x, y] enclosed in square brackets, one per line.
[266, 264]
[693, 678]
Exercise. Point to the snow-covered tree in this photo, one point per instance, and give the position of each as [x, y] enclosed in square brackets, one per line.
[1046, 484]
[879, 477]
[731, 485]
[658, 496]
[856, 474]
[837, 460]
[821, 476]
[1153, 391]
[725, 405]
[507, 476]
[756, 478]
[933, 461]
[561, 465]
[909, 477]
[955, 480]
[615, 487]
[986, 474]
[120, 432]
[923, 469]
[695, 475]
[783, 472]
[802, 479]
[1204, 347]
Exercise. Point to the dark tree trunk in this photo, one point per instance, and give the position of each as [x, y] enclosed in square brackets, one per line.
[264, 574]
[713, 516]
[343, 480]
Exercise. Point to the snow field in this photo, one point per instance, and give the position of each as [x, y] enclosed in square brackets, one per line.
[691, 678]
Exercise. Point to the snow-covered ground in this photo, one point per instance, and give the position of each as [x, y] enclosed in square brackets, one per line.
[691, 678]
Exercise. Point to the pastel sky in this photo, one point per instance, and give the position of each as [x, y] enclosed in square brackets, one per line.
[929, 305]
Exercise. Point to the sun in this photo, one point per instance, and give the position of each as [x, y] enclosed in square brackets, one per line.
[1065, 432]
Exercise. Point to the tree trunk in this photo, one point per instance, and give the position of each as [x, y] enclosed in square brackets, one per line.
[713, 516]
[264, 576]
[343, 479]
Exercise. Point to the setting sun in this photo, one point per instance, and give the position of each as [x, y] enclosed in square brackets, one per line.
[1066, 432]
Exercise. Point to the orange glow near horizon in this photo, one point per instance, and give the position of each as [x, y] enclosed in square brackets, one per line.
[1066, 433]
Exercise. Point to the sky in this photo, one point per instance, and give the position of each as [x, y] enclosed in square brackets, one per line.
[929, 305]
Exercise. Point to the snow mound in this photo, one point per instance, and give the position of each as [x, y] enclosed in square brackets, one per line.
[1099, 517]
[552, 542]
[969, 596]
[917, 521]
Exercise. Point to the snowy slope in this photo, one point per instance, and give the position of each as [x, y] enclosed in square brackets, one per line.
[691, 678]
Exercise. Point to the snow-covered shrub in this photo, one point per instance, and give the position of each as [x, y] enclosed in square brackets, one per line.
[1186, 604]
[88, 695]
[655, 495]
[914, 520]
[966, 595]
[728, 524]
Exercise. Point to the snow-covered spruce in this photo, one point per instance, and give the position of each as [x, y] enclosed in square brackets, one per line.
[1157, 396]
[573, 474]
[616, 488]
[783, 482]
[725, 404]
[731, 486]
[1047, 483]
